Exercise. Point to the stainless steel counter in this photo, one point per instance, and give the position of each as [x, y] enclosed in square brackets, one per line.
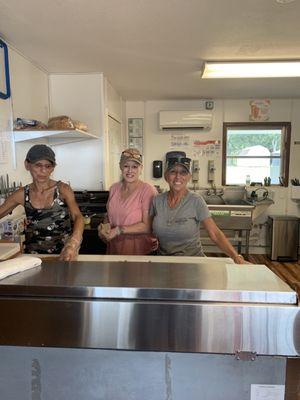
[209, 307]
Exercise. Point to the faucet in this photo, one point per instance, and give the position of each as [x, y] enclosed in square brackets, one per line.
[254, 195]
[214, 191]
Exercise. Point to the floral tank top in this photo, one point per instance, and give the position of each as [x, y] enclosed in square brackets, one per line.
[46, 229]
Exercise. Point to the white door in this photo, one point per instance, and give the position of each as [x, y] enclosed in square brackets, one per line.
[115, 147]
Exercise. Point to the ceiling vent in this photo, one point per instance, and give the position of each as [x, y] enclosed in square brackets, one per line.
[196, 119]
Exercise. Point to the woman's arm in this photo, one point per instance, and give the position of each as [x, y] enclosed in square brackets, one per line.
[218, 237]
[15, 199]
[72, 246]
[145, 225]
[140, 227]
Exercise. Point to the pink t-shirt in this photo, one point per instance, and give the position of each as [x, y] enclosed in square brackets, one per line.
[128, 212]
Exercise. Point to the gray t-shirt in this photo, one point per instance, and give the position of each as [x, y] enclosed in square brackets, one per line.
[178, 228]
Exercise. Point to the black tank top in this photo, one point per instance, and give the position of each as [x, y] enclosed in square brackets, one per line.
[47, 229]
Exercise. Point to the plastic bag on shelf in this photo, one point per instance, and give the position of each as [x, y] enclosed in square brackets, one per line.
[28, 124]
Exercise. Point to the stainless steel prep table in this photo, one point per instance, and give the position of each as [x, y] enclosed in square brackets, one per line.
[209, 307]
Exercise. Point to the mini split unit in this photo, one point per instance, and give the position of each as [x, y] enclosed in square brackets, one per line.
[195, 119]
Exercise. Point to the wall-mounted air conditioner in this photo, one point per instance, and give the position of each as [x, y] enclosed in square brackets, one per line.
[172, 120]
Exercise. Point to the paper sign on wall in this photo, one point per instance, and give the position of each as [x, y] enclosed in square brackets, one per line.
[179, 141]
[207, 148]
[267, 392]
[259, 110]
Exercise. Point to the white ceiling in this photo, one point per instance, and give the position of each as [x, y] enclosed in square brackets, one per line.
[154, 49]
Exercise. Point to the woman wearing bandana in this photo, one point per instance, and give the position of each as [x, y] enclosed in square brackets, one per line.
[128, 230]
[50, 207]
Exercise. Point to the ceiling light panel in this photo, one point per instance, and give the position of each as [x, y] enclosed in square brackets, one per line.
[261, 69]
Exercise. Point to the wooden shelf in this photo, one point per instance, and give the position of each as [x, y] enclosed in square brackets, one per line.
[53, 137]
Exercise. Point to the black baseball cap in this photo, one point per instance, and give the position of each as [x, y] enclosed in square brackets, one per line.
[40, 152]
[174, 161]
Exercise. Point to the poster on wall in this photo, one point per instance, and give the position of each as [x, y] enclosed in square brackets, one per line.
[259, 110]
[207, 148]
[179, 141]
[135, 133]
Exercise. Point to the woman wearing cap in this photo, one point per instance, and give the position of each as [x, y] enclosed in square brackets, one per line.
[129, 228]
[177, 215]
[49, 207]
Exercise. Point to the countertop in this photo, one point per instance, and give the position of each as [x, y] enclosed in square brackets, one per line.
[8, 250]
[206, 305]
[209, 280]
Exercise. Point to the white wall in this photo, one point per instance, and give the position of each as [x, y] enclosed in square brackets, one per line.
[79, 96]
[157, 143]
[29, 99]
[29, 86]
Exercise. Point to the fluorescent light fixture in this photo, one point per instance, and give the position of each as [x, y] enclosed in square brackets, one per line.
[251, 69]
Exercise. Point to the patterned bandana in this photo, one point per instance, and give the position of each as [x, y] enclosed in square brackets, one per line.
[131, 155]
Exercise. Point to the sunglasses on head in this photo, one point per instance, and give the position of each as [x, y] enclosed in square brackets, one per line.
[172, 162]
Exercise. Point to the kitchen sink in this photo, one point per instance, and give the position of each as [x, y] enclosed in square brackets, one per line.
[260, 207]
[232, 211]
[257, 207]
[219, 200]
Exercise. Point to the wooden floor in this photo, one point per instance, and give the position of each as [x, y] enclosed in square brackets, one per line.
[287, 271]
[290, 273]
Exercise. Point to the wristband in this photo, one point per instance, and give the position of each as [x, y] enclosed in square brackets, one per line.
[72, 242]
[120, 230]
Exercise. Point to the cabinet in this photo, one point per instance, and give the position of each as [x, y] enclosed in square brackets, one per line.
[283, 237]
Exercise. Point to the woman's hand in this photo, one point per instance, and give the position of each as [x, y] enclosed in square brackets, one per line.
[239, 259]
[70, 250]
[154, 244]
[68, 253]
[104, 232]
[114, 232]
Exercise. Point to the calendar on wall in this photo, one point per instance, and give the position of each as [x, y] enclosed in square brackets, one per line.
[136, 133]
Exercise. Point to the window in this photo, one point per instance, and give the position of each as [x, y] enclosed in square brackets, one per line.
[255, 151]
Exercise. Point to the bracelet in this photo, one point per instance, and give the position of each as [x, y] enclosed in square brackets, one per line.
[238, 255]
[120, 230]
[72, 242]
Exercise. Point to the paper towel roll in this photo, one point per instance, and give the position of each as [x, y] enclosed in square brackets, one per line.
[19, 264]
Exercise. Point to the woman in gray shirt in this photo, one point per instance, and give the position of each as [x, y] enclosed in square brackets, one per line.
[177, 215]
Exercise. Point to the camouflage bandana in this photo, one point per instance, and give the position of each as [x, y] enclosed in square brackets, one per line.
[131, 155]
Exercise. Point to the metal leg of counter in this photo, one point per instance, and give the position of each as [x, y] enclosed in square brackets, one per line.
[60, 374]
[247, 244]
